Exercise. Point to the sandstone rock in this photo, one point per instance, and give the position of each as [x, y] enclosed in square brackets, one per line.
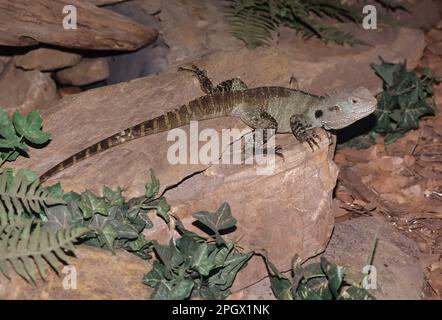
[68, 91]
[43, 22]
[100, 276]
[423, 14]
[192, 29]
[46, 59]
[318, 66]
[25, 90]
[86, 72]
[105, 2]
[3, 61]
[434, 35]
[399, 275]
[275, 212]
[436, 48]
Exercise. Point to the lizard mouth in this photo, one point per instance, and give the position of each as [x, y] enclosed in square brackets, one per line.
[348, 120]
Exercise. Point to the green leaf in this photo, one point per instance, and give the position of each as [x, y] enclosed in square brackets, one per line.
[169, 255]
[281, 285]
[30, 127]
[54, 189]
[18, 195]
[91, 204]
[113, 197]
[307, 293]
[153, 187]
[335, 275]
[220, 220]
[200, 259]
[7, 130]
[162, 290]
[282, 288]
[31, 176]
[356, 293]
[234, 262]
[181, 289]
[27, 246]
[155, 275]
[162, 209]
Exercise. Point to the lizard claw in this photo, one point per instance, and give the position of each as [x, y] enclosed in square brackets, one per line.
[278, 152]
[311, 139]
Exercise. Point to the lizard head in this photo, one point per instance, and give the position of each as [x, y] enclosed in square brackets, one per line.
[345, 107]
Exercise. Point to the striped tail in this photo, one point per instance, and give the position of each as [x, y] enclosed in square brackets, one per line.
[205, 107]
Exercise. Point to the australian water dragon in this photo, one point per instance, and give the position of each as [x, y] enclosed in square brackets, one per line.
[282, 109]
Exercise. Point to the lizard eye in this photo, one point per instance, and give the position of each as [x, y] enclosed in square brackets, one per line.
[354, 101]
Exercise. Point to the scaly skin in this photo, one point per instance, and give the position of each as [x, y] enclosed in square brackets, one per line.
[282, 109]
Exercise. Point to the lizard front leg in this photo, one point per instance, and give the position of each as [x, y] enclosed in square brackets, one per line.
[303, 131]
[207, 86]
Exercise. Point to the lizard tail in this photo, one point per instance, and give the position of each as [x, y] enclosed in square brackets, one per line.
[202, 108]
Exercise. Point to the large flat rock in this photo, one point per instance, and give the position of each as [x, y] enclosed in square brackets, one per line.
[26, 23]
[320, 67]
[285, 212]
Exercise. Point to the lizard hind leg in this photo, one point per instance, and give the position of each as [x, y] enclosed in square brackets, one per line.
[207, 85]
[259, 120]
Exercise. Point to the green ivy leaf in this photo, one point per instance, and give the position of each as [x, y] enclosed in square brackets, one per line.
[281, 285]
[56, 190]
[114, 197]
[307, 293]
[168, 254]
[335, 275]
[91, 204]
[234, 262]
[200, 258]
[387, 71]
[153, 187]
[181, 289]
[162, 209]
[355, 293]
[220, 220]
[154, 277]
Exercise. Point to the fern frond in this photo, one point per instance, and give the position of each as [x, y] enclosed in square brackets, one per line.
[252, 25]
[19, 195]
[253, 21]
[29, 246]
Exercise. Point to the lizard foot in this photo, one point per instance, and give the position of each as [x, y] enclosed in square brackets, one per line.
[309, 136]
[312, 140]
[303, 131]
